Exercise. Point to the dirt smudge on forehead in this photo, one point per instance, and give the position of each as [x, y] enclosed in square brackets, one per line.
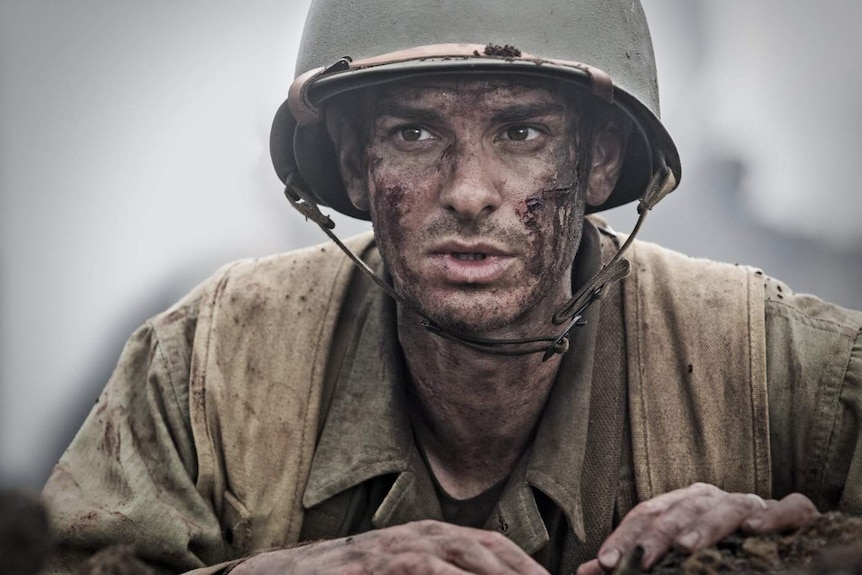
[447, 91]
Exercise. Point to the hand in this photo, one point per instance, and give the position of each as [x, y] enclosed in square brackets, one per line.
[420, 547]
[695, 517]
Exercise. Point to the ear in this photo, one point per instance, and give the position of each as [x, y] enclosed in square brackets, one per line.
[345, 141]
[608, 153]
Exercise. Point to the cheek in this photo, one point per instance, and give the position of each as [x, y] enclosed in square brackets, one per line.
[550, 222]
[390, 210]
[548, 190]
[549, 215]
[394, 194]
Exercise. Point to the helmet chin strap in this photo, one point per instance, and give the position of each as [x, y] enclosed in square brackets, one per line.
[570, 315]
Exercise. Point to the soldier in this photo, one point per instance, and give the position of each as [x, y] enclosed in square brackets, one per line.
[501, 383]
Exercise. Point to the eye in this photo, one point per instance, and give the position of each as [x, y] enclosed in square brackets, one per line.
[413, 134]
[522, 133]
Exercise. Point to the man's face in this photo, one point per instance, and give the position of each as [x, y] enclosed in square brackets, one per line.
[473, 194]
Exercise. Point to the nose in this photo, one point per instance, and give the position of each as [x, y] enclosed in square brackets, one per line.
[472, 189]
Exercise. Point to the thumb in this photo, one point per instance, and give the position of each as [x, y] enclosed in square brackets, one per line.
[590, 568]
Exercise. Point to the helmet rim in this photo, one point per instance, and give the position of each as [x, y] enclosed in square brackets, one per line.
[301, 146]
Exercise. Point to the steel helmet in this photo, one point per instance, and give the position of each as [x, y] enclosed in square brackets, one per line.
[600, 45]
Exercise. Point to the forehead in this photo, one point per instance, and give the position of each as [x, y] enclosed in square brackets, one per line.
[472, 90]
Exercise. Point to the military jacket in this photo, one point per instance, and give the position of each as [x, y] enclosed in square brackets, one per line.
[266, 408]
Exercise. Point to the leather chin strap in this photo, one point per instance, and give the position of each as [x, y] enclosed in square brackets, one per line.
[571, 314]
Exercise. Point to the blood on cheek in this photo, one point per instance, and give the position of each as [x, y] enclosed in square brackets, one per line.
[390, 196]
[548, 217]
[529, 213]
[398, 183]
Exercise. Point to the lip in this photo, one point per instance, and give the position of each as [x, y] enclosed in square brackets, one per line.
[457, 246]
[492, 264]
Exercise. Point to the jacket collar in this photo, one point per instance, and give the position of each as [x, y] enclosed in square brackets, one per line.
[367, 432]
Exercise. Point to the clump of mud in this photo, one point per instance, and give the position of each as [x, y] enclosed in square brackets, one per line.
[506, 51]
[831, 545]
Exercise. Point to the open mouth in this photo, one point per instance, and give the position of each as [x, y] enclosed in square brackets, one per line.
[470, 264]
[468, 257]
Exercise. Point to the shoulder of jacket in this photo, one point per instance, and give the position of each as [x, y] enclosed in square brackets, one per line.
[808, 309]
[667, 266]
[693, 326]
[649, 257]
[304, 275]
[307, 266]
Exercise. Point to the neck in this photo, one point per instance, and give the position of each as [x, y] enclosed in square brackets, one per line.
[475, 413]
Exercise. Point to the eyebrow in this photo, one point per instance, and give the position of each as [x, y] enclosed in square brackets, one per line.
[509, 113]
[517, 112]
[400, 110]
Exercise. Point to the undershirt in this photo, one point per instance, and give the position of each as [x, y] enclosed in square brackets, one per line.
[471, 512]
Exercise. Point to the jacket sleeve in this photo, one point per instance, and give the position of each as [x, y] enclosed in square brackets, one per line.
[129, 475]
[814, 372]
[842, 474]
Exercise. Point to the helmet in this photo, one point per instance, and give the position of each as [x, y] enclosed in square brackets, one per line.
[602, 46]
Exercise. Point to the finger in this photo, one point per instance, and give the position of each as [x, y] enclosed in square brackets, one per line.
[672, 509]
[590, 568]
[632, 528]
[792, 512]
[453, 538]
[719, 521]
[471, 555]
[506, 549]
[418, 564]
[666, 529]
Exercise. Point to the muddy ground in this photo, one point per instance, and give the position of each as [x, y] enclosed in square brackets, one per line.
[832, 545]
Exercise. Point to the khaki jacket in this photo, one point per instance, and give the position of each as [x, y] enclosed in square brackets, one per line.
[200, 447]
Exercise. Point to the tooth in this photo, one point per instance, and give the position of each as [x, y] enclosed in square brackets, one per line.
[471, 257]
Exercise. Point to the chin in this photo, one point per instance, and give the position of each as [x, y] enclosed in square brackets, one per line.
[473, 313]
[473, 323]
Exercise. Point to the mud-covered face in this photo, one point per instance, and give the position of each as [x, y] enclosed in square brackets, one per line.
[473, 194]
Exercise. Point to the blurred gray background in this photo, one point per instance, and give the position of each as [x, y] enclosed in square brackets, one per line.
[134, 161]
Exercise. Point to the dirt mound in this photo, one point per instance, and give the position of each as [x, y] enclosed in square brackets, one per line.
[831, 545]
